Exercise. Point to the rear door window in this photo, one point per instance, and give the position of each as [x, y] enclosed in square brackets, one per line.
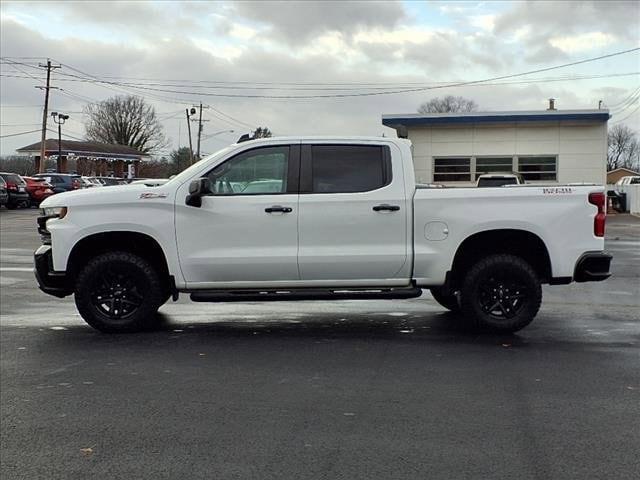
[346, 168]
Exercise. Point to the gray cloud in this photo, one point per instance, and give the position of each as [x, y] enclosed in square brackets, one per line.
[298, 22]
[548, 19]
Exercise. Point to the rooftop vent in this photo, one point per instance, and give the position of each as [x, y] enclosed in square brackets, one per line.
[552, 104]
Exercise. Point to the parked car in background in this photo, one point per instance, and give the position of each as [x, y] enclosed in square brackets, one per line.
[629, 180]
[262, 186]
[38, 189]
[90, 182]
[499, 179]
[4, 195]
[16, 188]
[109, 181]
[62, 182]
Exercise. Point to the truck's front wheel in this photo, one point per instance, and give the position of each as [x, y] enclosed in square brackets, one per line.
[118, 292]
[501, 293]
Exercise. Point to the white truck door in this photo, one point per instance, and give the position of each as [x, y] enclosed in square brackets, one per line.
[353, 215]
[245, 232]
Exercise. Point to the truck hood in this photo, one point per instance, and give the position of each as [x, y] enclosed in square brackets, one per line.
[117, 194]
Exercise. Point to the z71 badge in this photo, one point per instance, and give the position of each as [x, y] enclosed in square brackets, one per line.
[557, 190]
[148, 195]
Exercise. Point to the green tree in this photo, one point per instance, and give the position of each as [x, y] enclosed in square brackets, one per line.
[179, 160]
[261, 132]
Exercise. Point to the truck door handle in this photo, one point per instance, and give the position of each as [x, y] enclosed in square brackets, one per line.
[278, 208]
[387, 207]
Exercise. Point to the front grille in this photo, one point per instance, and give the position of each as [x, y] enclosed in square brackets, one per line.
[45, 235]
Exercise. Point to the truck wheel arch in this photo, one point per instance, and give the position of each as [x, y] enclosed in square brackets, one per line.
[521, 243]
[134, 242]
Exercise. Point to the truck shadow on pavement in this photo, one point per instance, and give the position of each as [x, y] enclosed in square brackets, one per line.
[445, 327]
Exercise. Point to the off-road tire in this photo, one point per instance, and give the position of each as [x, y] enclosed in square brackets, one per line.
[447, 299]
[140, 281]
[506, 282]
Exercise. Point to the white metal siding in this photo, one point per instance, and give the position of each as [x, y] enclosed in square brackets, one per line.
[580, 147]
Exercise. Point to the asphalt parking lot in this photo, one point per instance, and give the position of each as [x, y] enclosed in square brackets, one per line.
[349, 390]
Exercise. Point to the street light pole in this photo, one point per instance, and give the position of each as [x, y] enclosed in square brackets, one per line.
[60, 118]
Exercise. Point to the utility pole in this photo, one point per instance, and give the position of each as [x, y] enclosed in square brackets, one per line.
[189, 130]
[199, 125]
[45, 113]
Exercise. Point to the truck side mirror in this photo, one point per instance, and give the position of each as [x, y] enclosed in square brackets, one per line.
[197, 189]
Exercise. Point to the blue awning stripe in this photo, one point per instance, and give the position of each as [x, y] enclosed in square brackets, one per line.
[412, 121]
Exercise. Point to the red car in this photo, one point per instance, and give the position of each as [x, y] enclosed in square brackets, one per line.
[38, 189]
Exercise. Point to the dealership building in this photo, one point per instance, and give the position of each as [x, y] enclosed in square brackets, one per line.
[544, 146]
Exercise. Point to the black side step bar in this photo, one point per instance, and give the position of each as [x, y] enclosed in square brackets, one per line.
[304, 294]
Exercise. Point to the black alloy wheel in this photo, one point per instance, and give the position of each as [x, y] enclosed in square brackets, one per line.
[119, 292]
[118, 295]
[502, 298]
[501, 293]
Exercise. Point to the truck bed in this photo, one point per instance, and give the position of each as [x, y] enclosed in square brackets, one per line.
[560, 215]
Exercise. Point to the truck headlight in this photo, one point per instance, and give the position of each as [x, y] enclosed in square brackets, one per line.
[54, 212]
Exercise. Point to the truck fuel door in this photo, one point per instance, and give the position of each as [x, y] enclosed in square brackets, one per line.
[436, 231]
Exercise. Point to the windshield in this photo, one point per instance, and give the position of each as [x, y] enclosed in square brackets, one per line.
[193, 169]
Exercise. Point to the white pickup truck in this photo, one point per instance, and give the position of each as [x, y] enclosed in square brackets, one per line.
[317, 218]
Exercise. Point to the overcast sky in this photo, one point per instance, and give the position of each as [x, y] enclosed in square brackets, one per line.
[186, 52]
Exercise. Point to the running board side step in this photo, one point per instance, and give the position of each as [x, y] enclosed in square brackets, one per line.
[304, 294]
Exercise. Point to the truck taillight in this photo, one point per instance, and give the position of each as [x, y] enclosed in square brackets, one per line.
[599, 200]
[75, 184]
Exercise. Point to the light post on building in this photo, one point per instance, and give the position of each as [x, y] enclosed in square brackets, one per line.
[60, 118]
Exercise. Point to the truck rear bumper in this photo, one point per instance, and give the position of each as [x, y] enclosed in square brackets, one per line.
[592, 267]
[51, 282]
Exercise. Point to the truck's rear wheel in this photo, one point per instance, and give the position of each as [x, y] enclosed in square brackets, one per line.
[118, 292]
[446, 298]
[501, 293]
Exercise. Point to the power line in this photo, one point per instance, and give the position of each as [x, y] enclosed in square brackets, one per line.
[628, 116]
[17, 134]
[360, 94]
[239, 82]
[20, 106]
[66, 135]
[634, 92]
[516, 82]
[149, 87]
[630, 101]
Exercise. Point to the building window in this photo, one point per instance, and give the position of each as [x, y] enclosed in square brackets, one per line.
[493, 165]
[452, 170]
[467, 169]
[538, 168]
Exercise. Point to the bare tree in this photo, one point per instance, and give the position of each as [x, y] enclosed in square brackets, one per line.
[448, 104]
[125, 120]
[623, 148]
